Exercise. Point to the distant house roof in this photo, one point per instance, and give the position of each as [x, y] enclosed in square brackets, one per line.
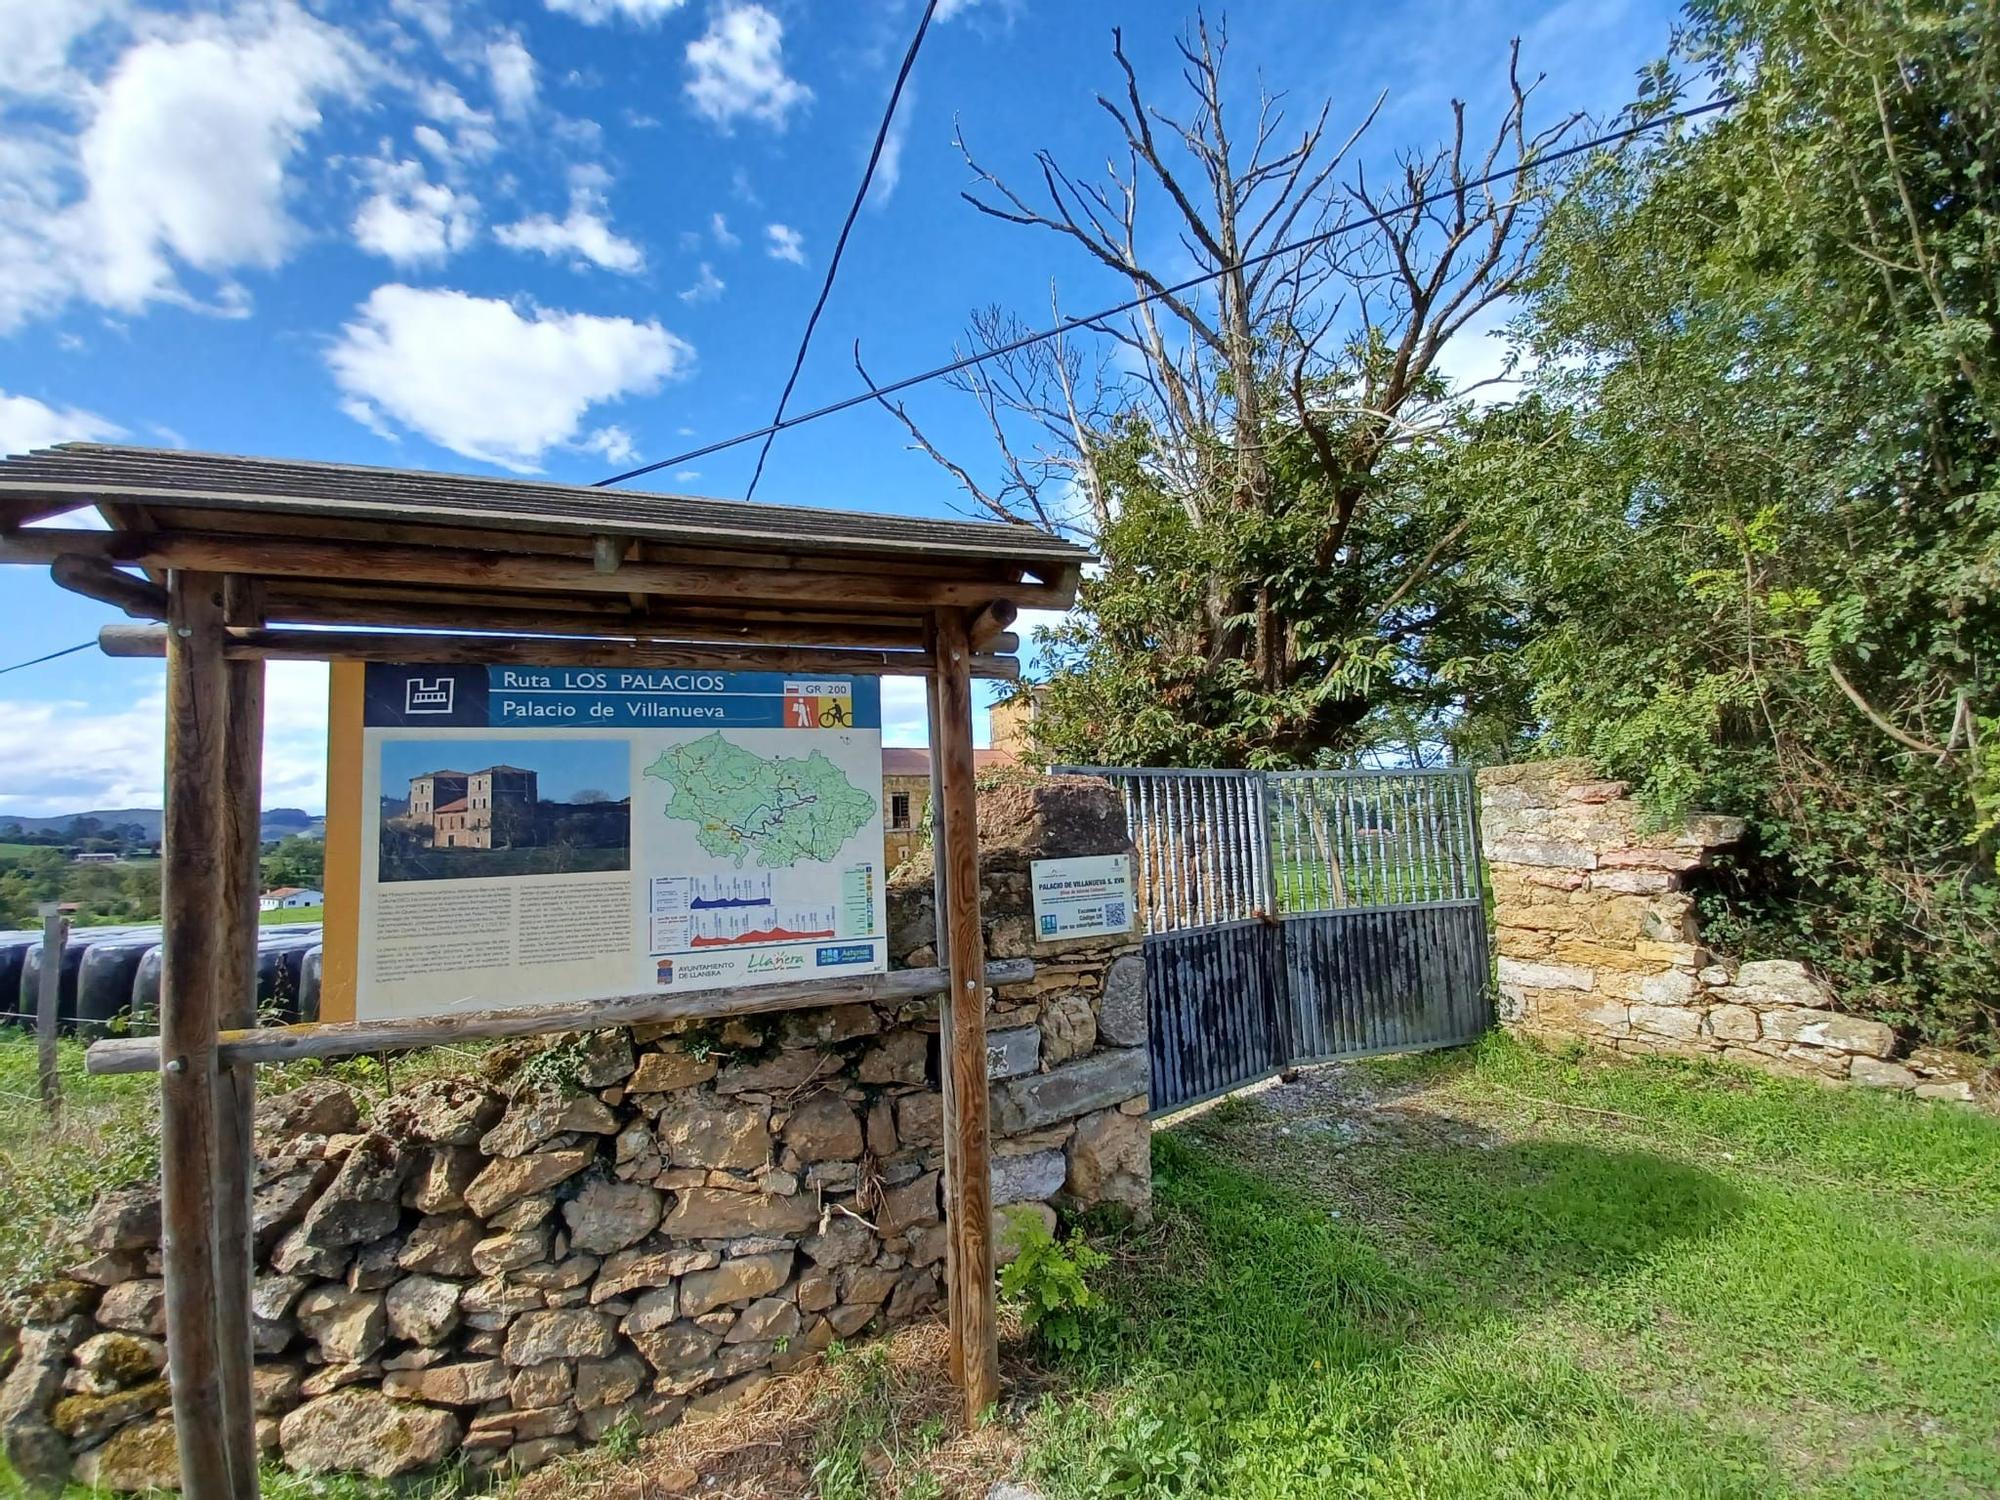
[903, 760]
[518, 770]
[456, 805]
[428, 774]
[287, 890]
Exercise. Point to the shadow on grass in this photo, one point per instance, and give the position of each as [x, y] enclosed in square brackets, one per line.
[1269, 1340]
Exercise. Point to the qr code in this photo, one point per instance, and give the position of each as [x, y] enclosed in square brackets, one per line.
[1114, 914]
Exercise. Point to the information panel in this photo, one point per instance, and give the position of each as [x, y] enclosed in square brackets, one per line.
[1077, 897]
[534, 835]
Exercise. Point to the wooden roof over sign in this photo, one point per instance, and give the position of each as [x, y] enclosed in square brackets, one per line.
[89, 473]
[344, 545]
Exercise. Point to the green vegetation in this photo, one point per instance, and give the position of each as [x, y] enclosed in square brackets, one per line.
[1751, 509]
[1048, 1282]
[108, 1135]
[292, 914]
[295, 860]
[1532, 1275]
[1491, 1272]
[51, 1174]
[128, 891]
[1735, 535]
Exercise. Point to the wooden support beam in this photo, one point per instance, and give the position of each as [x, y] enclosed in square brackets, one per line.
[193, 898]
[457, 568]
[941, 904]
[236, 1084]
[607, 553]
[350, 1038]
[486, 650]
[721, 627]
[957, 844]
[990, 623]
[95, 578]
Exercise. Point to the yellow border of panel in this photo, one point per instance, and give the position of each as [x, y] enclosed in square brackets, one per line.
[341, 953]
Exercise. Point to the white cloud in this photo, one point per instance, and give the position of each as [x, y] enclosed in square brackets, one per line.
[472, 135]
[599, 12]
[26, 423]
[707, 286]
[1479, 360]
[67, 755]
[736, 69]
[584, 235]
[182, 163]
[613, 443]
[785, 243]
[412, 220]
[889, 169]
[489, 380]
[434, 16]
[511, 67]
[719, 227]
[906, 718]
[36, 37]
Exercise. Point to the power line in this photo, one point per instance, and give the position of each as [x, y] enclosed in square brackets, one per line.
[840, 245]
[1067, 325]
[1071, 325]
[38, 660]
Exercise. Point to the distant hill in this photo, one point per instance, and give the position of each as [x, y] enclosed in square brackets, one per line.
[278, 821]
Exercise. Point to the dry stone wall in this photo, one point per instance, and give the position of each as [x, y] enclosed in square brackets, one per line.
[620, 1229]
[1597, 940]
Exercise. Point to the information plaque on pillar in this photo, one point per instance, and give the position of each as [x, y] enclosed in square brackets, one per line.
[536, 835]
[1079, 897]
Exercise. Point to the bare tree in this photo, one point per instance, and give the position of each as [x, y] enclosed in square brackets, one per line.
[1314, 337]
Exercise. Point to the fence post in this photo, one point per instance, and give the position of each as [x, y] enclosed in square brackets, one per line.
[1283, 1000]
[55, 933]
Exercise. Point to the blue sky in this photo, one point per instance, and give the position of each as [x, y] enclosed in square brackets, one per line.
[570, 236]
[562, 767]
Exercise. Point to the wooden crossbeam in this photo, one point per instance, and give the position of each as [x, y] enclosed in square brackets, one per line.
[257, 644]
[97, 579]
[718, 627]
[451, 568]
[270, 1044]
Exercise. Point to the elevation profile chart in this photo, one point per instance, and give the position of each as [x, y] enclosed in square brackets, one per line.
[692, 912]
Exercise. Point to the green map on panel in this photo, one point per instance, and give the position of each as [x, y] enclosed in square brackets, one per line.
[782, 810]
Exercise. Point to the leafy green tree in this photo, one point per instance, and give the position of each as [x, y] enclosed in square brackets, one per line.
[295, 860]
[1750, 511]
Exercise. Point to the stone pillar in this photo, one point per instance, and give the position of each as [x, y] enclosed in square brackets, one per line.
[1598, 941]
[1066, 1050]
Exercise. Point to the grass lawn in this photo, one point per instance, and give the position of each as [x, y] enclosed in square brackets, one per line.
[1499, 1272]
[1490, 1272]
[286, 915]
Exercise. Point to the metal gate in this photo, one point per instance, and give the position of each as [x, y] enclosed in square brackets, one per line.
[1298, 916]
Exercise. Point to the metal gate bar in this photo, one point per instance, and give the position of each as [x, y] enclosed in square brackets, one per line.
[1300, 916]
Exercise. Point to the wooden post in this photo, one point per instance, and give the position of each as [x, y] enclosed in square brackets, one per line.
[194, 897]
[971, 1230]
[236, 1086]
[941, 907]
[55, 932]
